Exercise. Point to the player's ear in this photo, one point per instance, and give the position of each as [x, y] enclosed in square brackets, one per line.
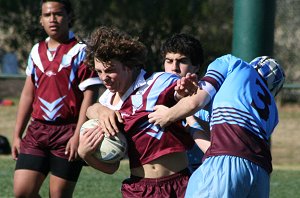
[41, 22]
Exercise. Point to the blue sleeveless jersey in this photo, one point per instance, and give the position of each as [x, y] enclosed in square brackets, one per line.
[244, 113]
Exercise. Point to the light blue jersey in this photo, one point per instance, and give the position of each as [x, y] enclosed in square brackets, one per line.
[247, 103]
[244, 115]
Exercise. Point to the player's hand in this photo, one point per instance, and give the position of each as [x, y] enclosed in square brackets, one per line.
[15, 149]
[109, 121]
[187, 86]
[160, 116]
[71, 148]
[90, 141]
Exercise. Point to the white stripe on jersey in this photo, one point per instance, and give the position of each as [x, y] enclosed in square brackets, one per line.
[90, 81]
[231, 115]
[209, 88]
[67, 58]
[36, 59]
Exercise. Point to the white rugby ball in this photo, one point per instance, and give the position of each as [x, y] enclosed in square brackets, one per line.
[112, 149]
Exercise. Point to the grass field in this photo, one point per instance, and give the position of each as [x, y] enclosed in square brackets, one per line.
[285, 179]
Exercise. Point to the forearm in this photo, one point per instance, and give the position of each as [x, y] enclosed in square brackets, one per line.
[24, 111]
[188, 106]
[93, 111]
[90, 96]
[101, 166]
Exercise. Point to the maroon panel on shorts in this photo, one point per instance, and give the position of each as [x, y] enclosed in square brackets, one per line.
[167, 187]
[41, 138]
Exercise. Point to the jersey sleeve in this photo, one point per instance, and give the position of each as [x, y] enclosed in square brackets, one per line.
[86, 76]
[217, 72]
[30, 65]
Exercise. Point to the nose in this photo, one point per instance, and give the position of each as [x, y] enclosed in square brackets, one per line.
[175, 66]
[53, 18]
[103, 76]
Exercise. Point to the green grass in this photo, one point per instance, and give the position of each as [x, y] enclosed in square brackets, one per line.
[285, 181]
[91, 183]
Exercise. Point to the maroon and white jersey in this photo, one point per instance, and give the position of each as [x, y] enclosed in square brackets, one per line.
[146, 141]
[59, 80]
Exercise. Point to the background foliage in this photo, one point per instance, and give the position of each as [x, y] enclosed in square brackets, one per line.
[153, 21]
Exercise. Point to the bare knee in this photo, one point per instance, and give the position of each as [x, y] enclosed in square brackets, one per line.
[27, 183]
[61, 188]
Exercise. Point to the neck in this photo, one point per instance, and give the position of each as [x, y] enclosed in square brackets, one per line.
[55, 42]
[134, 75]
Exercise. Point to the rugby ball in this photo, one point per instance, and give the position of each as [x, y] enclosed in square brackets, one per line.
[112, 149]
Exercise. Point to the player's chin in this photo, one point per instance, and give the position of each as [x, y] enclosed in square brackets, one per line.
[111, 89]
[53, 33]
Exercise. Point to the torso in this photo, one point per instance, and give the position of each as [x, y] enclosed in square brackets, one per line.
[148, 145]
[57, 79]
[243, 116]
[163, 166]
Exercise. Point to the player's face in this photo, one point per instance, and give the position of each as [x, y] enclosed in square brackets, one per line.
[55, 20]
[179, 64]
[115, 76]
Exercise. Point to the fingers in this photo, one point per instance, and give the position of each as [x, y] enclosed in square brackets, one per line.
[109, 126]
[95, 135]
[14, 153]
[109, 123]
[90, 141]
[118, 114]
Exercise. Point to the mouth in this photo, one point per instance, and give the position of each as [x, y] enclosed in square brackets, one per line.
[53, 27]
[107, 85]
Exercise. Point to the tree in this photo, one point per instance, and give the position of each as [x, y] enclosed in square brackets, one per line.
[152, 21]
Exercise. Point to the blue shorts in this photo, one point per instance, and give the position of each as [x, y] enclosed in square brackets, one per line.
[229, 176]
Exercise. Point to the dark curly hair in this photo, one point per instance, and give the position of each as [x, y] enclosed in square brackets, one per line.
[186, 45]
[68, 7]
[107, 43]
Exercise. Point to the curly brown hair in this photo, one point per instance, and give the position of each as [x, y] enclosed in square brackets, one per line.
[107, 43]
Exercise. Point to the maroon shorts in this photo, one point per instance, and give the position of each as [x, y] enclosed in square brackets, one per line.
[43, 150]
[41, 138]
[172, 186]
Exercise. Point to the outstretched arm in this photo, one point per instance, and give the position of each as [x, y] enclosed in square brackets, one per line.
[163, 116]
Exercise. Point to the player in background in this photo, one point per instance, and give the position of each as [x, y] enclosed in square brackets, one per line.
[157, 157]
[183, 54]
[244, 115]
[57, 91]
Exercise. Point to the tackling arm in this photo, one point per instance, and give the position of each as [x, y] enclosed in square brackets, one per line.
[163, 116]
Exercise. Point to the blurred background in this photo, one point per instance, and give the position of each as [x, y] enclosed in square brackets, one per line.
[211, 21]
[153, 21]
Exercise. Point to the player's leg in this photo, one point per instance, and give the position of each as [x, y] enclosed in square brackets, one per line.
[29, 175]
[60, 187]
[27, 183]
[201, 181]
[223, 176]
[64, 175]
